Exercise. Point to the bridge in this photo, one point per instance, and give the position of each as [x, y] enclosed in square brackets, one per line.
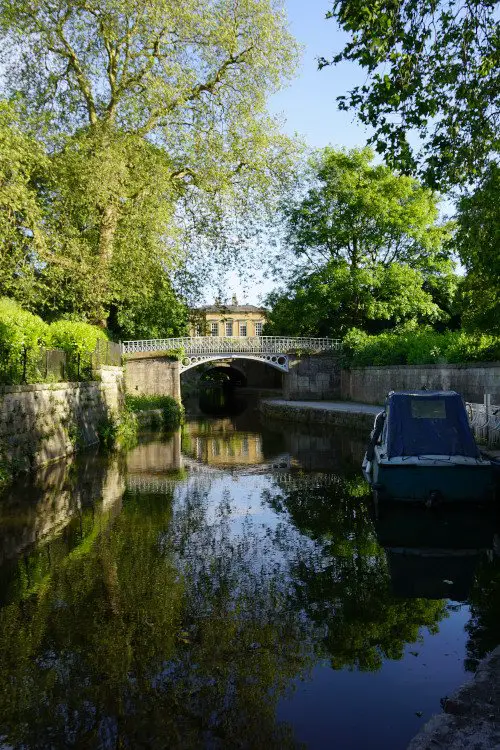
[271, 350]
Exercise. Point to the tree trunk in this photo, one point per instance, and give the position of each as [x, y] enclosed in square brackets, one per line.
[107, 231]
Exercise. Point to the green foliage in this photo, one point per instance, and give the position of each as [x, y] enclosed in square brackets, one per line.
[22, 163]
[21, 335]
[154, 115]
[415, 345]
[173, 354]
[432, 67]
[118, 432]
[369, 248]
[365, 214]
[172, 410]
[330, 301]
[477, 241]
[78, 340]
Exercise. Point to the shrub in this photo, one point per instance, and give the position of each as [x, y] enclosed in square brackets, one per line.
[172, 410]
[21, 335]
[415, 345]
[79, 341]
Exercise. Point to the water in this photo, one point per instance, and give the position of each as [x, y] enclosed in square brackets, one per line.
[230, 586]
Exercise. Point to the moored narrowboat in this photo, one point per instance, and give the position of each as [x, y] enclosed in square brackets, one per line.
[422, 449]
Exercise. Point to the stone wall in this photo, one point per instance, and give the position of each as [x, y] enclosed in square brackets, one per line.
[314, 377]
[152, 376]
[371, 384]
[41, 423]
[352, 420]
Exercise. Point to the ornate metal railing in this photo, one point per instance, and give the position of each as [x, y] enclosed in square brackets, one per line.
[485, 421]
[233, 344]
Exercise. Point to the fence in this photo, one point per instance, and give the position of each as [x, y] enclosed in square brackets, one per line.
[41, 365]
[195, 345]
[485, 421]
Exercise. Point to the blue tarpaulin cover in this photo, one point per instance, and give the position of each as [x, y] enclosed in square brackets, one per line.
[428, 423]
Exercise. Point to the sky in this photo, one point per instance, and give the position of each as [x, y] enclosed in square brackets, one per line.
[308, 105]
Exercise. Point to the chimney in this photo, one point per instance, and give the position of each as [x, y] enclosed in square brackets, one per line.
[234, 300]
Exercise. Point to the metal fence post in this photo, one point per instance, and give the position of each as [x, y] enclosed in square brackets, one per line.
[25, 363]
[487, 410]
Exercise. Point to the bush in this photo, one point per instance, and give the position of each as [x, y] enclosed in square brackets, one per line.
[173, 412]
[78, 341]
[414, 345]
[21, 336]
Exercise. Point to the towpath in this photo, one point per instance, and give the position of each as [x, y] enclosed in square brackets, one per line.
[339, 413]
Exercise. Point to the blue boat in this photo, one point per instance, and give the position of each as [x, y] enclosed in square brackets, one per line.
[422, 449]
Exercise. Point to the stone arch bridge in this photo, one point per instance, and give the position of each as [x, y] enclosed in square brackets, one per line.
[310, 366]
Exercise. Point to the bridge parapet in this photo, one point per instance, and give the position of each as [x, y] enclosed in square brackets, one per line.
[233, 344]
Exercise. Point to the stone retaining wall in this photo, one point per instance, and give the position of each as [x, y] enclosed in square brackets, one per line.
[41, 423]
[370, 385]
[314, 377]
[350, 419]
[152, 376]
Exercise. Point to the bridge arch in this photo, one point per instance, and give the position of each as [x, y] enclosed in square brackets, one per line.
[278, 361]
[224, 372]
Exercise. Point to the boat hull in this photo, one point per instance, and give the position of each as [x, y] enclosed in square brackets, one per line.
[449, 483]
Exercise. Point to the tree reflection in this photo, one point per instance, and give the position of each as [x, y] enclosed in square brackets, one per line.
[342, 581]
[483, 627]
[156, 631]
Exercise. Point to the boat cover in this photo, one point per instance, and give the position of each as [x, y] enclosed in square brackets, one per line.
[428, 423]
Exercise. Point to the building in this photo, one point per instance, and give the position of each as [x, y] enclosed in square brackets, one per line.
[228, 320]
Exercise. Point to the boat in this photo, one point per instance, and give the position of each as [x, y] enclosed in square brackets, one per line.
[422, 449]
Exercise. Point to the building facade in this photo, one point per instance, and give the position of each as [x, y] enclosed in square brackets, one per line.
[228, 320]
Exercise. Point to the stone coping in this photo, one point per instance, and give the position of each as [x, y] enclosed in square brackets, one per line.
[434, 366]
[58, 386]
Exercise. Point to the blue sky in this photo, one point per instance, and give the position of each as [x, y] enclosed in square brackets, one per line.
[308, 105]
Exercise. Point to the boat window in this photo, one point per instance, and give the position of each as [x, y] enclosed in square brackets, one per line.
[428, 408]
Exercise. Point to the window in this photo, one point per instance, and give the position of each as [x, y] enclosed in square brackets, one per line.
[197, 330]
[258, 329]
[428, 409]
[214, 329]
[229, 328]
[243, 329]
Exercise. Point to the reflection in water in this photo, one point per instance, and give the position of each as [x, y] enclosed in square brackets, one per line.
[185, 611]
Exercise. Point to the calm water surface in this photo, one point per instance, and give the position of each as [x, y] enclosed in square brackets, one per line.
[231, 586]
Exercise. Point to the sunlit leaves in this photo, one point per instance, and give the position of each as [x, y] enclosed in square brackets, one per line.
[433, 89]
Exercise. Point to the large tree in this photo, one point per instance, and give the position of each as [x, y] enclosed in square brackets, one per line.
[477, 241]
[141, 104]
[369, 250]
[433, 69]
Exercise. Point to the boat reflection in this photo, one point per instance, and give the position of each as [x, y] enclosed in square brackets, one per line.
[435, 554]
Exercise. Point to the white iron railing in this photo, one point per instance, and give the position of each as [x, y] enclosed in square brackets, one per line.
[233, 344]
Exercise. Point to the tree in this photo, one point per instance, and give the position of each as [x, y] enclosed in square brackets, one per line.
[142, 104]
[332, 300]
[432, 69]
[477, 241]
[22, 163]
[370, 250]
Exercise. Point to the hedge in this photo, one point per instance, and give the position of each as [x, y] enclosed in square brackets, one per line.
[412, 345]
[25, 338]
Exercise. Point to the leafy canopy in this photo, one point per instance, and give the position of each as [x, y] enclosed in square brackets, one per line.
[433, 69]
[364, 214]
[477, 241]
[149, 111]
[369, 249]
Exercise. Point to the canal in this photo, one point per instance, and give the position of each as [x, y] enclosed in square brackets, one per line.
[232, 586]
